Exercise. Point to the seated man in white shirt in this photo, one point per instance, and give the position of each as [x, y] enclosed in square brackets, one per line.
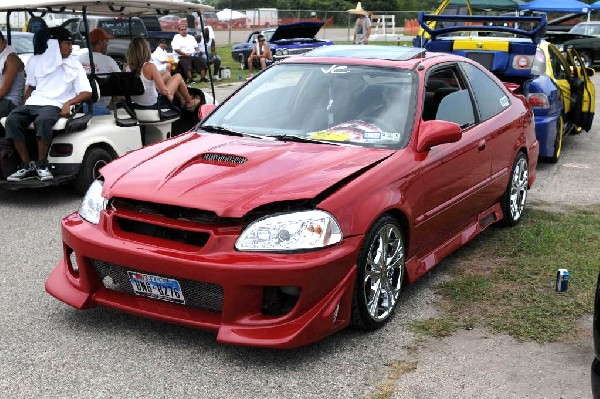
[55, 82]
[185, 52]
[102, 64]
[160, 58]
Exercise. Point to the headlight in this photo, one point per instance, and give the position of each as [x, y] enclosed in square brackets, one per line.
[278, 52]
[93, 203]
[291, 231]
[285, 51]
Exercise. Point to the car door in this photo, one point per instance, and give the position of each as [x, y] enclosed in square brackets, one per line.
[452, 174]
[561, 74]
[492, 99]
[582, 92]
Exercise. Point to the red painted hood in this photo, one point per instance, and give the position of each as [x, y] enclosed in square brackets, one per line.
[245, 173]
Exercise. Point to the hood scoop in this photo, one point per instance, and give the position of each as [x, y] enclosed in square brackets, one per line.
[222, 159]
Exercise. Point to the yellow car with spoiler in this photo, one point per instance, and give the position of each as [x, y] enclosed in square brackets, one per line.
[557, 87]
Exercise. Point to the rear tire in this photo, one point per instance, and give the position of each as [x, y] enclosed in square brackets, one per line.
[514, 198]
[560, 130]
[94, 159]
[379, 275]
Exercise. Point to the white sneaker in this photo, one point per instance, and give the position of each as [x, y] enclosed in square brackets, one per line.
[25, 171]
[216, 77]
[41, 169]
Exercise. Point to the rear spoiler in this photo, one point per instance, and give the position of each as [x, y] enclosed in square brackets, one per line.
[536, 34]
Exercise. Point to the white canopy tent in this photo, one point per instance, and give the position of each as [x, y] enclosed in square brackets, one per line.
[227, 14]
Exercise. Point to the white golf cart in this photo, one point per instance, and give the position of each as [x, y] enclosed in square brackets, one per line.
[82, 143]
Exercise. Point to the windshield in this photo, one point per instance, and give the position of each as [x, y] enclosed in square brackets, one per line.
[22, 44]
[343, 104]
[586, 29]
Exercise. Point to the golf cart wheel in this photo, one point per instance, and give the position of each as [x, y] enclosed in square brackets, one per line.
[94, 159]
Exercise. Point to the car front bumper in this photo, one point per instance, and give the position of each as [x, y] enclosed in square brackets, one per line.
[325, 279]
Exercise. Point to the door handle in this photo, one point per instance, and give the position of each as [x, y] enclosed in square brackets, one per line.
[481, 145]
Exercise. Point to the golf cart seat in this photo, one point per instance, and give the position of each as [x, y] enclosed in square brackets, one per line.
[127, 84]
[78, 120]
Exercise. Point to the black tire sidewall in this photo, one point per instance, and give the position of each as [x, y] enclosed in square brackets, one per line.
[85, 177]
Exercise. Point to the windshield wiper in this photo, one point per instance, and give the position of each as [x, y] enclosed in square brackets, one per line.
[228, 132]
[222, 130]
[289, 137]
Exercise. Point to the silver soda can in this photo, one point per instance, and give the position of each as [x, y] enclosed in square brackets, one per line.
[562, 280]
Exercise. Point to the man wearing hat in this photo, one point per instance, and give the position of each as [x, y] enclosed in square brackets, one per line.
[362, 26]
[103, 63]
[55, 82]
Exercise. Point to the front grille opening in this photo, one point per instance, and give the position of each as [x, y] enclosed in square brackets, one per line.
[278, 301]
[194, 238]
[168, 211]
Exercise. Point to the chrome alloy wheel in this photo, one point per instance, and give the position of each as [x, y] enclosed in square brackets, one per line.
[384, 271]
[518, 188]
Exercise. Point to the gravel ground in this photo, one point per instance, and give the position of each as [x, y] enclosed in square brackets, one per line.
[50, 350]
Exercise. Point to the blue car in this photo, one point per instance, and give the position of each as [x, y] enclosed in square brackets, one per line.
[284, 41]
[558, 88]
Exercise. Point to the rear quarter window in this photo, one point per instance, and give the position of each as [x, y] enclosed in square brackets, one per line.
[491, 99]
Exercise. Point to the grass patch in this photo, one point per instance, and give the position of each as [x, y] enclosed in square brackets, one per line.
[505, 279]
[396, 368]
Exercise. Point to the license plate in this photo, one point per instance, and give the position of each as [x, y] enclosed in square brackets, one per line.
[166, 289]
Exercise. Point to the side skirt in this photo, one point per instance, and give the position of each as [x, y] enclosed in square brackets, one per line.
[419, 265]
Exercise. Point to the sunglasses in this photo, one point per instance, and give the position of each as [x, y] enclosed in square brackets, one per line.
[262, 40]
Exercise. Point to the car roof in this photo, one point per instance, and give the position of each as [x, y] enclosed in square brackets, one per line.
[371, 52]
[113, 7]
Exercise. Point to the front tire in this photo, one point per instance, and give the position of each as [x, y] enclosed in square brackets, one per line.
[380, 275]
[94, 159]
[514, 198]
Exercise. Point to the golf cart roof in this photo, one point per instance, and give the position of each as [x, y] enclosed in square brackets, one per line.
[110, 7]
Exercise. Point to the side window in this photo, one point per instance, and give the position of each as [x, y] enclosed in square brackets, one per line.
[446, 98]
[490, 97]
[558, 66]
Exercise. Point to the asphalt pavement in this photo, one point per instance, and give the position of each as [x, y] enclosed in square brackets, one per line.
[50, 350]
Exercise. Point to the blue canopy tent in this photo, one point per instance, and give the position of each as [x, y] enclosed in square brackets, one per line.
[571, 6]
[596, 5]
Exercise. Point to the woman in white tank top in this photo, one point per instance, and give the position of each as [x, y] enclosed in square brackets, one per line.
[138, 61]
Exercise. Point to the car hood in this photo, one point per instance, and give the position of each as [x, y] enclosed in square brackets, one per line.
[307, 30]
[561, 37]
[232, 175]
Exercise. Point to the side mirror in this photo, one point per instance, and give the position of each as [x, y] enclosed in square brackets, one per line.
[205, 110]
[435, 132]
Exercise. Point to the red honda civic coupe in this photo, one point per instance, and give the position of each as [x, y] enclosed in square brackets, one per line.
[307, 200]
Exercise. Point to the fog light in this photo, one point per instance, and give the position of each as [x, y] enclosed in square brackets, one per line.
[72, 262]
[278, 301]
